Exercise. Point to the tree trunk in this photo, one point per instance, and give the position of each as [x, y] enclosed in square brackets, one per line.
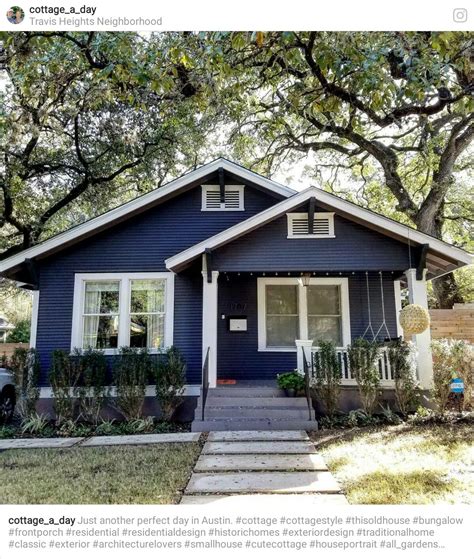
[445, 288]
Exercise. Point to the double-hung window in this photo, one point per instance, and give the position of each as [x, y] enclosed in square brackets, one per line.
[288, 311]
[115, 310]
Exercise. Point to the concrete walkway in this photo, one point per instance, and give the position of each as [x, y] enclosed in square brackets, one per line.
[114, 440]
[263, 466]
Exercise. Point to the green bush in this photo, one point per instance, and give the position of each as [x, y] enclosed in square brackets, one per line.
[363, 357]
[132, 368]
[20, 334]
[25, 367]
[170, 380]
[64, 376]
[327, 379]
[401, 357]
[290, 381]
[92, 391]
[37, 424]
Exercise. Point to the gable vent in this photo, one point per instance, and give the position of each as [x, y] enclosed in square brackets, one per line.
[323, 225]
[233, 198]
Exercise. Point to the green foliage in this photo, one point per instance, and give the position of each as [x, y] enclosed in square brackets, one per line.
[92, 391]
[451, 358]
[291, 380]
[7, 432]
[64, 376]
[132, 369]
[402, 360]
[36, 424]
[327, 379]
[21, 333]
[363, 357]
[170, 380]
[25, 367]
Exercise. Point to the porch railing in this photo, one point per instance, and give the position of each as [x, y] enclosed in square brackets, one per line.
[205, 383]
[307, 384]
[383, 364]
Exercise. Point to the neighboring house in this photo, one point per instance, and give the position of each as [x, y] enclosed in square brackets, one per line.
[216, 263]
[5, 328]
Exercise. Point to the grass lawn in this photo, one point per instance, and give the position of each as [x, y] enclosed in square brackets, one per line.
[111, 475]
[402, 464]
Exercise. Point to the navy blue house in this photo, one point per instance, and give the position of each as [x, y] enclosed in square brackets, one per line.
[226, 264]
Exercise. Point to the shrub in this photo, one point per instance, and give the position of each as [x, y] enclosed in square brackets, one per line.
[36, 424]
[401, 356]
[170, 380]
[64, 377]
[21, 333]
[327, 379]
[7, 432]
[131, 370]
[25, 367]
[451, 358]
[92, 391]
[292, 380]
[363, 356]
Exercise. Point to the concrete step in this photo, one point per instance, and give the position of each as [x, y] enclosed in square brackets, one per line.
[241, 436]
[244, 391]
[253, 424]
[259, 447]
[295, 502]
[250, 402]
[259, 413]
[260, 463]
[262, 482]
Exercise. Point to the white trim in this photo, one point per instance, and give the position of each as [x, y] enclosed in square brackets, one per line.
[141, 202]
[398, 305]
[46, 392]
[124, 316]
[343, 283]
[209, 323]
[34, 318]
[334, 202]
[291, 217]
[216, 188]
[418, 295]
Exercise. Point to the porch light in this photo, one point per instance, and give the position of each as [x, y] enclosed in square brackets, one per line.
[305, 279]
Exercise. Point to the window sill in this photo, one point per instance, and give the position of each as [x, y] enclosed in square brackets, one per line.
[278, 349]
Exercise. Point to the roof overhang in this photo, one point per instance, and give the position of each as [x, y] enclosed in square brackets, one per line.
[142, 203]
[441, 257]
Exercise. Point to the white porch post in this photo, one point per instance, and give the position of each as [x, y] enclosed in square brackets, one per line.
[209, 324]
[303, 345]
[34, 319]
[417, 295]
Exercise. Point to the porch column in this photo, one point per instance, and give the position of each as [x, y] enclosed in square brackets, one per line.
[417, 295]
[209, 323]
[303, 346]
[34, 319]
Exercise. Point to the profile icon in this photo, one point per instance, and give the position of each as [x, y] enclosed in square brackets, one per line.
[15, 15]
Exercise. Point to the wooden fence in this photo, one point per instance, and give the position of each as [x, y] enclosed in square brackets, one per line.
[8, 349]
[457, 323]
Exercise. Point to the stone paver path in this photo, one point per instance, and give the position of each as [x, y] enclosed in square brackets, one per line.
[60, 442]
[247, 466]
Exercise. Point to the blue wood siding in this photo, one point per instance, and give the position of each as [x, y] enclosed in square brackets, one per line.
[238, 355]
[141, 244]
[354, 248]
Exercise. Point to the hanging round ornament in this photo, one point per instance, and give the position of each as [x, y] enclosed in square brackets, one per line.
[414, 319]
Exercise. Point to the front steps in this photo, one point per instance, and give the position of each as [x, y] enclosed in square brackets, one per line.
[256, 408]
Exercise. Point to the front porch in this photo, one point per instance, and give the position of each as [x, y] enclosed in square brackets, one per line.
[256, 324]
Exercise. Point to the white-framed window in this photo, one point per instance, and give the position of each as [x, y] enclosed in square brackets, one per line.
[288, 311]
[233, 198]
[323, 227]
[130, 309]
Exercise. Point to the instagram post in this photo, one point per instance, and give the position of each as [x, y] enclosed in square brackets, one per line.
[236, 280]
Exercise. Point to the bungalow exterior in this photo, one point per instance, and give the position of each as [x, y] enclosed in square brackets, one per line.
[242, 274]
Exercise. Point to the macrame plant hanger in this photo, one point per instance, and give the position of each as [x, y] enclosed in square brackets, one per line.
[384, 323]
[369, 325]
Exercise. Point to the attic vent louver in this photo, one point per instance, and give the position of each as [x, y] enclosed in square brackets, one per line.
[323, 225]
[233, 198]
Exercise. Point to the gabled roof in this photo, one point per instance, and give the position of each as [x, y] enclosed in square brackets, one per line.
[163, 193]
[442, 257]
